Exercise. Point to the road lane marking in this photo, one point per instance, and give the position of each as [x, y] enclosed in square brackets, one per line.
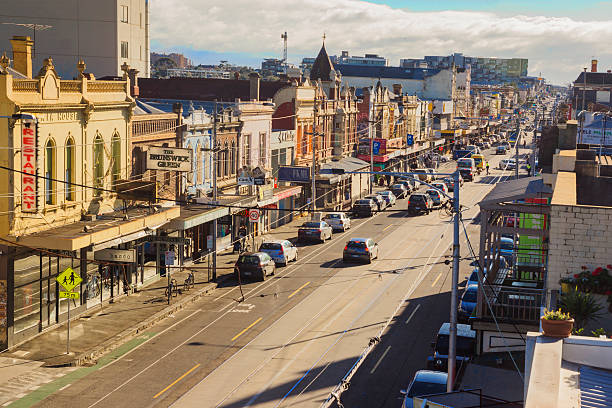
[175, 381]
[413, 313]
[380, 359]
[437, 279]
[247, 328]
[387, 227]
[295, 292]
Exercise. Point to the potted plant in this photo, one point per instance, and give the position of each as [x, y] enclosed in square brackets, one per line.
[567, 284]
[555, 323]
[581, 306]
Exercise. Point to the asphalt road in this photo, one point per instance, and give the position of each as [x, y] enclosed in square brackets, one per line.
[296, 335]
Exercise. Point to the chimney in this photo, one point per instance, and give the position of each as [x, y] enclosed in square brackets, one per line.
[397, 89]
[22, 54]
[133, 75]
[254, 81]
[594, 65]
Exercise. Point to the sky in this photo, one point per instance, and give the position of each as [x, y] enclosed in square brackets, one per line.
[558, 37]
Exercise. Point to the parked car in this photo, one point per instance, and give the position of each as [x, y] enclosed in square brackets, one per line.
[381, 204]
[436, 197]
[441, 185]
[399, 190]
[360, 249]
[507, 164]
[339, 221]
[486, 144]
[450, 182]
[364, 208]
[419, 203]
[466, 346]
[473, 279]
[409, 183]
[389, 197]
[506, 249]
[256, 265]
[424, 382]
[467, 303]
[501, 149]
[281, 251]
[502, 263]
[473, 148]
[314, 230]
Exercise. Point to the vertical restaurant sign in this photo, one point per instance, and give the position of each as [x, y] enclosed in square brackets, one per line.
[29, 185]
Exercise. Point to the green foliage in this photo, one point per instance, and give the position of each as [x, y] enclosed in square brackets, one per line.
[556, 315]
[599, 332]
[581, 306]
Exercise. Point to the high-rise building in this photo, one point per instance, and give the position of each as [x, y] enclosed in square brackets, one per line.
[106, 34]
[484, 70]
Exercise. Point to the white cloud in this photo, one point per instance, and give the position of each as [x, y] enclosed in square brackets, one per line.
[556, 46]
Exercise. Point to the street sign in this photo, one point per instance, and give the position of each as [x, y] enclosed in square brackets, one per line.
[169, 257]
[68, 279]
[409, 139]
[69, 295]
[254, 215]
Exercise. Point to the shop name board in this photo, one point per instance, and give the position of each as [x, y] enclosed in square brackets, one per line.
[164, 240]
[29, 186]
[116, 255]
[58, 117]
[169, 158]
[281, 136]
[294, 173]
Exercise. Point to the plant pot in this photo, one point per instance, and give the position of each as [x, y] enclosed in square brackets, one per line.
[557, 328]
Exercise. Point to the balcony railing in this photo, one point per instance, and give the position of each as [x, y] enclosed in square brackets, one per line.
[510, 303]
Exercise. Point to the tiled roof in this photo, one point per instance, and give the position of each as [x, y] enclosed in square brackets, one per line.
[385, 72]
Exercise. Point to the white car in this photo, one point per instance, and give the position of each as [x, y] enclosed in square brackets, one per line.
[507, 164]
[389, 197]
[441, 186]
[339, 221]
[281, 251]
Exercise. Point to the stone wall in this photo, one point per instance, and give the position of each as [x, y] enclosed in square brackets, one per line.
[579, 236]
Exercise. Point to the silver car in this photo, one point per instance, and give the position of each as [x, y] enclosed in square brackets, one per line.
[339, 221]
[389, 197]
[281, 251]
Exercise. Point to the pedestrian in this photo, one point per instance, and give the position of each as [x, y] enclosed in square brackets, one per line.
[487, 168]
[528, 169]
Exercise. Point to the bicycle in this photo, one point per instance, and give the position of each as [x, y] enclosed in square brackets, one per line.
[172, 288]
[189, 282]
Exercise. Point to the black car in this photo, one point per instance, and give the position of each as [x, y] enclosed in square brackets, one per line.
[254, 265]
[466, 347]
[419, 203]
[360, 249]
[365, 207]
[399, 190]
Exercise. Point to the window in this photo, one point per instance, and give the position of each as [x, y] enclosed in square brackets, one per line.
[49, 172]
[125, 14]
[69, 177]
[140, 15]
[98, 164]
[140, 52]
[262, 149]
[246, 151]
[233, 158]
[226, 162]
[116, 150]
[124, 49]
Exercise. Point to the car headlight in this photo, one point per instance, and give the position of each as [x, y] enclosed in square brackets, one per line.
[439, 362]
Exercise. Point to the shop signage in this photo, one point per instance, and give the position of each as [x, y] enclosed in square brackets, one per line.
[29, 168]
[409, 139]
[259, 176]
[245, 178]
[169, 158]
[116, 255]
[294, 173]
[282, 136]
[164, 240]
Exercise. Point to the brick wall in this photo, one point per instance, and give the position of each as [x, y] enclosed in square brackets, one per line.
[579, 235]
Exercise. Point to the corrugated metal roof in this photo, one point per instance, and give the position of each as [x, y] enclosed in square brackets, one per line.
[508, 191]
[595, 388]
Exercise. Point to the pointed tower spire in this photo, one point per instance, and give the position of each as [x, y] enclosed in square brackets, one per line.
[322, 66]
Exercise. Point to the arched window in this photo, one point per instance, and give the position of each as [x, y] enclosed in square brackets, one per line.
[49, 172]
[98, 164]
[116, 151]
[69, 167]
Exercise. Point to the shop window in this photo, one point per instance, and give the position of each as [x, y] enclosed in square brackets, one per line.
[69, 176]
[50, 172]
[98, 164]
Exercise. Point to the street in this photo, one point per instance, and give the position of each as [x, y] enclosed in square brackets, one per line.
[296, 335]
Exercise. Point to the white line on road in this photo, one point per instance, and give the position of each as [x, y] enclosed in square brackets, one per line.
[380, 359]
[413, 313]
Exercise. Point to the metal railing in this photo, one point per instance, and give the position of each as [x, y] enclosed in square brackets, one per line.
[514, 303]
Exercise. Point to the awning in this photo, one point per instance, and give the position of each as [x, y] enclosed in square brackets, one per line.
[280, 193]
[105, 228]
[198, 214]
[347, 164]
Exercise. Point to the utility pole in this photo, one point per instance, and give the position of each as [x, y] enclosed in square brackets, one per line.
[371, 134]
[452, 344]
[584, 87]
[214, 180]
[314, 155]
[516, 145]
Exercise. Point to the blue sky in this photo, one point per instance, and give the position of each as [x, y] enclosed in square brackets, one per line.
[558, 37]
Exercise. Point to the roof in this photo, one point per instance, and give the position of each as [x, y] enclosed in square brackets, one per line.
[206, 89]
[595, 388]
[16, 74]
[523, 188]
[347, 163]
[322, 66]
[594, 78]
[463, 330]
[358, 239]
[165, 105]
[385, 72]
[143, 108]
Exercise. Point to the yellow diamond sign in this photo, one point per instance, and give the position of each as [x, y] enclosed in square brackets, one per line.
[69, 279]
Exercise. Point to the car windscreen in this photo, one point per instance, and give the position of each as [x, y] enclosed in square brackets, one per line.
[249, 260]
[477, 160]
[270, 246]
[433, 193]
[464, 164]
[311, 225]
[333, 216]
[419, 198]
[473, 277]
[426, 388]
[356, 245]
[363, 202]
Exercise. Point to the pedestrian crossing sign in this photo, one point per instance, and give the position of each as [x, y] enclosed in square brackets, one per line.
[69, 279]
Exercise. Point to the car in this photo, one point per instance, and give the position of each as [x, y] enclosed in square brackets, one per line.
[473, 279]
[436, 196]
[441, 185]
[364, 207]
[419, 203]
[389, 197]
[399, 190]
[379, 200]
[467, 168]
[424, 175]
[467, 303]
[466, 347]
[507, 164]
[501, 260]
[410, 183]
[339, 221]
[450, 182]
[424, 382]
[486, 144]
[473, 148]
[433, 173]
[506, 249]
[257, 265]
[281, 251]
[501, 149]
[360, 249]
[314, 230]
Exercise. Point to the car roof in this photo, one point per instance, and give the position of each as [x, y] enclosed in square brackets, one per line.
[358, 239]
[330, 213]
[436, 377]
[463, 330]
[273, 241]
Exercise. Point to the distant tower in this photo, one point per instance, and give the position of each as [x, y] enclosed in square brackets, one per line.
[284, 38]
